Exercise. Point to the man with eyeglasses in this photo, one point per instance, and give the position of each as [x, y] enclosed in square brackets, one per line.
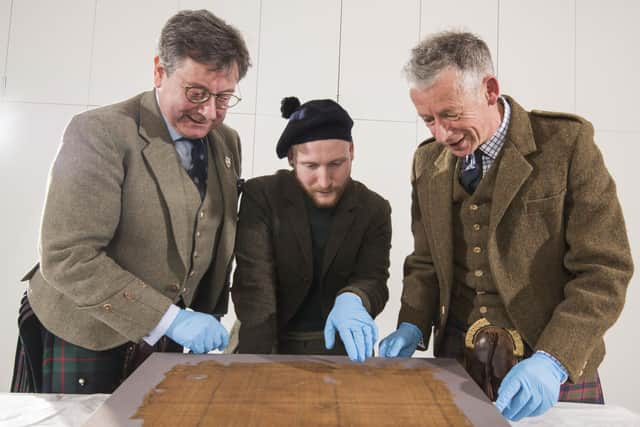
[521, 260]
[312, 249]
[139, 222]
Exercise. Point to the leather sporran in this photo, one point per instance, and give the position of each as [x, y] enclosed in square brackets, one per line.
[489, 354]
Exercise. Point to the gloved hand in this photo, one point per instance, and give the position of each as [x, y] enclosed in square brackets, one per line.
[357, 329]
[199, 332]
[402, 342]
[531, 387]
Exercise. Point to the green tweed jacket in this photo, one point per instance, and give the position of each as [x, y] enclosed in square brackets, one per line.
[557, 248]
[117, 227]
[274, 256]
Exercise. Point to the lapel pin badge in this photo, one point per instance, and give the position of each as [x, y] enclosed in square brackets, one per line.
[227, 162]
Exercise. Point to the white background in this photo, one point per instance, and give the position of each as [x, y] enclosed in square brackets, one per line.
[60, 58]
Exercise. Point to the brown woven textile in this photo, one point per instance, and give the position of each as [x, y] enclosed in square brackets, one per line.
[301, 394]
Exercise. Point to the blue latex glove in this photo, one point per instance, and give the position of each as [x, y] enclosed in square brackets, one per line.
[199, 332]
[357, 329]
[531, 387]
[402, 342]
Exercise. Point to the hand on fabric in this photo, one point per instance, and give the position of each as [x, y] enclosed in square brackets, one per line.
[402, 342]
[531, 387]
[357, 329]
[199, 332]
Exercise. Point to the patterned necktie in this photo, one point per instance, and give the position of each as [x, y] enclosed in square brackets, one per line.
[198, 168]
[471, 174]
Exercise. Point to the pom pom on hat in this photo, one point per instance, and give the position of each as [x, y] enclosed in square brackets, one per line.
[288, 106]
[312, 121]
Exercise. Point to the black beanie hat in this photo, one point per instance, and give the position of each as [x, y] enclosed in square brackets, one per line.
[312, 121]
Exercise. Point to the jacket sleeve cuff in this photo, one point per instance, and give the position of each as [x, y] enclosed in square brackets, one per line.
[558, 365]
[164, 324]
[132, 311]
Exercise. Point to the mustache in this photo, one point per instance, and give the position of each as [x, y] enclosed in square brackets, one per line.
[198, 118]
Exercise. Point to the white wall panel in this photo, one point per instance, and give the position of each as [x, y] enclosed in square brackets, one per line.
[29, 137]
[537, 63]
[479, 17]
[49, 51]
[382, 161]
[608, 60]
[422, 131]
[122, 62]
[375, 44]
[5, 14]
[268, 131]
[245, 16]
[619, 386]
[298, 51]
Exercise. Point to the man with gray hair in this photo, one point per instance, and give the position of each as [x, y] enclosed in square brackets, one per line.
[521, 260]
[139, 222]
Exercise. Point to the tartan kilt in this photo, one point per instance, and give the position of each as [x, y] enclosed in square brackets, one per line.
[45, 363]
[586, 391]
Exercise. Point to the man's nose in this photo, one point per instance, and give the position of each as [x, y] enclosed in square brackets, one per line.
[440, 131]
[208, 108]
[324, 178]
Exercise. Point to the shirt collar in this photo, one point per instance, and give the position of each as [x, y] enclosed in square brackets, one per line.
[175, 135]
[492, 147]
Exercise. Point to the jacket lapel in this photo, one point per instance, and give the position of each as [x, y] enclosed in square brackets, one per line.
[222, 159]
[342, 223]
[513, 167]
[296, 216]
[439, 193]
[513, 171]
[165, 167]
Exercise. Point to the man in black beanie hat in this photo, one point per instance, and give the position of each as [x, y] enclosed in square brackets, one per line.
[312, 246]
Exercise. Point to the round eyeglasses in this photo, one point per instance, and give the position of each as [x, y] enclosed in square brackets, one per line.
[200, 95]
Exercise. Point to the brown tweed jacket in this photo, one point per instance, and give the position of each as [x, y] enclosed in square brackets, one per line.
[117, 228]
[274, 256]
[557, 247]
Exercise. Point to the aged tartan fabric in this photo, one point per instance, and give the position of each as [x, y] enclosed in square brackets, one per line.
[582, 392]
[45, 363]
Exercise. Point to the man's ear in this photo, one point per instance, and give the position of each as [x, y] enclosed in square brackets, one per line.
[491, 89]
[291, 156]
[158, 71]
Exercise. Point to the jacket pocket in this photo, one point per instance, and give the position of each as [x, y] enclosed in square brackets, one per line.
[551, 203]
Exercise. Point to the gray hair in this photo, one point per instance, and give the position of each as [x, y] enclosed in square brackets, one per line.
[463, 52]
[205, 38]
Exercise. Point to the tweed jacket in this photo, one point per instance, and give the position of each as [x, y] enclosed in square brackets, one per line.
[274, 256]
[117, 228]
[557, 247]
